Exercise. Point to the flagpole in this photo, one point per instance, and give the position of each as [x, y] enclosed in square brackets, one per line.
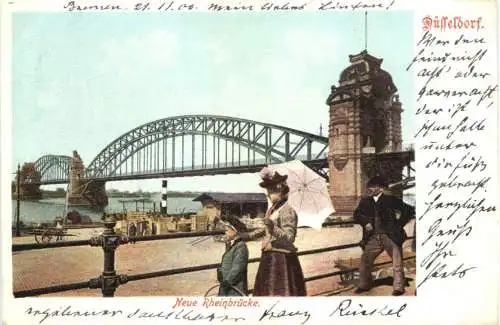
[366, 30]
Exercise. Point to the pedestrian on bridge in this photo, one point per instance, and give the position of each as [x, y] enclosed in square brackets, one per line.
[382, 217]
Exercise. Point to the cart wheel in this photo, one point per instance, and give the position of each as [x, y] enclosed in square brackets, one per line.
[46, 237]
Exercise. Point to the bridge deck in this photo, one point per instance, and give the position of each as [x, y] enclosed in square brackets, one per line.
[221, 168]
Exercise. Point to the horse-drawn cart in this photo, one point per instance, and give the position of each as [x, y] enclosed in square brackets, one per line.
[46, 235]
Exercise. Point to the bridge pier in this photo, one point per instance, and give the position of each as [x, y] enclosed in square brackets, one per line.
[83, 191]
[95, 194]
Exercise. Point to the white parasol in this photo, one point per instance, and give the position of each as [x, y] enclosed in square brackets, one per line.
[308, 194]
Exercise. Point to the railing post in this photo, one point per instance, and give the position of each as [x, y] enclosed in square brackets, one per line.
[109, 241]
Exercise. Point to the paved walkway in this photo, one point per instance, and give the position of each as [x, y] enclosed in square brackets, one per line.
[47, 267]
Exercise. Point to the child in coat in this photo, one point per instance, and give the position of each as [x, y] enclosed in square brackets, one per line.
[233, 270]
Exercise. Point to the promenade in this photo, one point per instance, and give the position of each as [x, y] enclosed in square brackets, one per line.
[46, 267]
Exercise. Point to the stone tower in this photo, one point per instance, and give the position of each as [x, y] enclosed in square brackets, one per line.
[29, 181]
[75, 175]
[85, 191]
[365, 119]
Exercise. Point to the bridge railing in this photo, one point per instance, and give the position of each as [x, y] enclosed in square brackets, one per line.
[109, 241]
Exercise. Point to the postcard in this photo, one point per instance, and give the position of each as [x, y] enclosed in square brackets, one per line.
[249, 162]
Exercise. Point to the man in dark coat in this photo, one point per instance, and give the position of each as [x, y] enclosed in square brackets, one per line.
[233, 270]
[382, 217]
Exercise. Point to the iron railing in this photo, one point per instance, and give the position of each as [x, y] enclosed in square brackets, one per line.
[109, 280]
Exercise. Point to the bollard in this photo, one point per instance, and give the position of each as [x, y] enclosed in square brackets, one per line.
[163, 206]
[109, 241]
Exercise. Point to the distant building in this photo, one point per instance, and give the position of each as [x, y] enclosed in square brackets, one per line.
[245, 206]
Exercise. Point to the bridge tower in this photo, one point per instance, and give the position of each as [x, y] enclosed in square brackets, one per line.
[29, 183]
[76, 169]
[365, 123]
[84, 191]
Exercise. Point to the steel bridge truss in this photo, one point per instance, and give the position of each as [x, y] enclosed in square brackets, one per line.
[53, 169]
[183, 144]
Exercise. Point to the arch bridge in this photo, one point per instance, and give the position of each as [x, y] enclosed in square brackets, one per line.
[53, 169]
[192, 145]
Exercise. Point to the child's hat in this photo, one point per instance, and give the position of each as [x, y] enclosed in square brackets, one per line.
[234, 223]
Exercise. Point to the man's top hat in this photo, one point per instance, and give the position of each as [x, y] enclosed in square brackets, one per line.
[270, 179]
[234, 223]
[378, 181]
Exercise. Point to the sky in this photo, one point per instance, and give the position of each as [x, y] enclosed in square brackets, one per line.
[82, 80]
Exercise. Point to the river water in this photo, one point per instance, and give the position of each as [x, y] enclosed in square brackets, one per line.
[48, 209]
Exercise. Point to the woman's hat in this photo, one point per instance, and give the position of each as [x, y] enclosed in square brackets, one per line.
[270, 179]
[377, 181]
[234, 223]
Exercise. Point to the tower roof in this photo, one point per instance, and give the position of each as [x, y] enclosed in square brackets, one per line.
[366, 69]
[363, 66]
[364, 55]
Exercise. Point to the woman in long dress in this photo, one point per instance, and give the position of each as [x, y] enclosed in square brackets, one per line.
[280, 272]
